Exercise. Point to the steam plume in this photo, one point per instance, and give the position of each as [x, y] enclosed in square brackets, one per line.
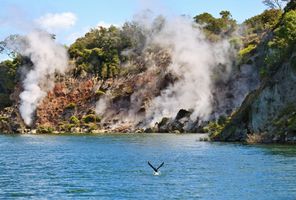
[48, 58]
[194, 60]
[195, 64]
[101, 106]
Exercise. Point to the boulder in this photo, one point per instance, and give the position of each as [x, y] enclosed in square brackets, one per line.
[183, 114]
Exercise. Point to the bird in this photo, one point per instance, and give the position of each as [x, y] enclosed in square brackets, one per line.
[156, 170]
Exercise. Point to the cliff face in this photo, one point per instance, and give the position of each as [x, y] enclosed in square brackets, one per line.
[268, 112]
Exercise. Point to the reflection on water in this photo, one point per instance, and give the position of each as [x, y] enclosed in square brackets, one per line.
[115, 167]
[283, 150]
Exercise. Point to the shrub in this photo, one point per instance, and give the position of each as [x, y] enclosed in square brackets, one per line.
[74, 120]
[281, 46]
[92, 126]
[246, 51]
[216, 26]
[98, 52]
[264, 21]
[287, 30]
[66, 126]
[45, 129]
[91, 118]
[214, 128]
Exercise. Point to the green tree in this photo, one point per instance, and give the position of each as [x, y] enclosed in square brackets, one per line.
[263, 22]
[99, 52]
[285, 33]
[225, 14]
[217, 26]
[8, 80]
[209, 21]
[282, 45]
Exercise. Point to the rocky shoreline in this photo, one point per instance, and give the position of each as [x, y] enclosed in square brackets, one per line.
[11, 122]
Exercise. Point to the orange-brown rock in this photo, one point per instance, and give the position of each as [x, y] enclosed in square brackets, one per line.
[73, 91]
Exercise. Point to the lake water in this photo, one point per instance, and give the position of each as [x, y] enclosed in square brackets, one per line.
[115, 167]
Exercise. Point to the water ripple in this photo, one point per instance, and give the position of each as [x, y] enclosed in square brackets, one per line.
[115, 167]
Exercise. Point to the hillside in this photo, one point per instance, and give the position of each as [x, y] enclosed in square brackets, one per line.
[213, 75]
[268, 113]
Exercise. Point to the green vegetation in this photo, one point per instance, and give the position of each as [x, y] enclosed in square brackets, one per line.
[274, 33]
[286, 121]
[216, 27]
[8, 80]
[214, 128]
[267, 41]
[255, 30]
[263, 22]
[281, 46]
[74, 120]
[91, 118]
[285, 33]
[290, 6]
[92, 126]
[66, 127]
[45, 129]
[247, 51]
[99, 52]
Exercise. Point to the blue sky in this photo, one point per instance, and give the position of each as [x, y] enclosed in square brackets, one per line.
[18, 16]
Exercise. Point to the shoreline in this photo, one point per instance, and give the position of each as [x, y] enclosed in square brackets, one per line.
[101, 133]
[204, 137]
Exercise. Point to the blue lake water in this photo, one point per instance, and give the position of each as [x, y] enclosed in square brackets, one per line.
[115, 167]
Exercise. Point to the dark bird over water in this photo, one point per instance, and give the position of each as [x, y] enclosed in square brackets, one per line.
[156, 170]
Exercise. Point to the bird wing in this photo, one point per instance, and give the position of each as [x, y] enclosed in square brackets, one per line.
[160, 166]
[152, 166]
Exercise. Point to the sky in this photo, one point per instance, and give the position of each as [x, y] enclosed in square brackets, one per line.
[70, 19]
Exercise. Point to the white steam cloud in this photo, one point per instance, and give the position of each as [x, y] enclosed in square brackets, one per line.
[47, 58]
[193, 62]
[101, 106]
[177, 49]
[57, 21]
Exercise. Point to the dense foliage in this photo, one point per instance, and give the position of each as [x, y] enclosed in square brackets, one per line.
[99, 52]
[282, 45]
[215, 27]
[263, 22]
[7, 80]
[256, 28]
